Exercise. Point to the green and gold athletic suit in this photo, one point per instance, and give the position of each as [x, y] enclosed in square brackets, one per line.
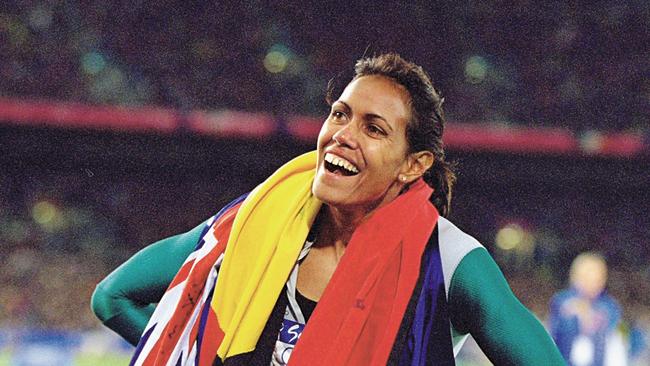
[480, 300]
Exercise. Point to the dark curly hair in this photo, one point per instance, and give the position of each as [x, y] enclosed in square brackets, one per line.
[424, 130]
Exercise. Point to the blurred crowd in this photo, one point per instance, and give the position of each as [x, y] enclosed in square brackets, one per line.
[62, 233]
[581, 65]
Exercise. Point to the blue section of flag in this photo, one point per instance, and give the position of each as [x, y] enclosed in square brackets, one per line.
[203, 320]
[141, 344]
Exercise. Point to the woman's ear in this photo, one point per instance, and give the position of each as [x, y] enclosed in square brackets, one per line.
[417, 163]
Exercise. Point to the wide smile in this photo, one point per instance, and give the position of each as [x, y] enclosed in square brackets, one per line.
[339, 166]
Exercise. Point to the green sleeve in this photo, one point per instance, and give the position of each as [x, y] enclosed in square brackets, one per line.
[125, 299]
[482, 304]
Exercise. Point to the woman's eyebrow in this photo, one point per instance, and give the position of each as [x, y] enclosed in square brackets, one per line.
[345, 105]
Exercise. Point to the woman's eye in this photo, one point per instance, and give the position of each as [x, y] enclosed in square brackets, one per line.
[375, 130]
[338, 114]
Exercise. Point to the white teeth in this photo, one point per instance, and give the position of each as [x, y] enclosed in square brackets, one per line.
[335, 160]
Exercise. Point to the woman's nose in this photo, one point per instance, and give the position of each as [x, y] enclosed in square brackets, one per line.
[346, 136]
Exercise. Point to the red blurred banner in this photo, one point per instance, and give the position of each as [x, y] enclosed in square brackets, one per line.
[229, 124]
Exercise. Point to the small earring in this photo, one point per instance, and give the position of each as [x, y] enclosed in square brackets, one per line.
[402, 178]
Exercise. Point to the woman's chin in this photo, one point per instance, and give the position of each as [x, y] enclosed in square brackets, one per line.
[330, 195]
[323, 193]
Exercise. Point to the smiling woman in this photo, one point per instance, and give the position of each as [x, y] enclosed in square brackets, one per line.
[342, 257]
[366, 131]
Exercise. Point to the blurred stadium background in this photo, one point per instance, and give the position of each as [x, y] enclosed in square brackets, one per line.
[123, 122]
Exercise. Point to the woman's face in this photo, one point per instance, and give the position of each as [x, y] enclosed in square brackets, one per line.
[362, 145]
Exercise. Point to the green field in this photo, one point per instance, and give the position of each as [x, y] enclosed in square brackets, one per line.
[81, 360]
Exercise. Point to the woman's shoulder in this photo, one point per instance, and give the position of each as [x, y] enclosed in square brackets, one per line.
[454, 245]
[453, 238]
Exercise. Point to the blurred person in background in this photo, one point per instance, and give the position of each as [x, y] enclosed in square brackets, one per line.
[584, 318]
[342, 256]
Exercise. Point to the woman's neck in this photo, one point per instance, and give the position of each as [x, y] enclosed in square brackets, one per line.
[336, 227]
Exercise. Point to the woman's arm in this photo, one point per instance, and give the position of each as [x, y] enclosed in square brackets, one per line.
[482, 304]
[125, 299]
